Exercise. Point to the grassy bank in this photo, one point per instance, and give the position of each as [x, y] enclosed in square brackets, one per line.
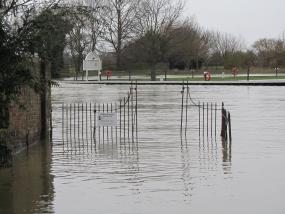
[228, 78]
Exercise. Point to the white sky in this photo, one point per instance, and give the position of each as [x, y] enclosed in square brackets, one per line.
[251, 19]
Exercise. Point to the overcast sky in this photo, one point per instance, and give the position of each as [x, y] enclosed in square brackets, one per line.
[251, 19]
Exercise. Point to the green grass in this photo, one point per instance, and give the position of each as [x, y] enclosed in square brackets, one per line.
[227, 78]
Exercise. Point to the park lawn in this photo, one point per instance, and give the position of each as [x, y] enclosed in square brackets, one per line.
[227, 78]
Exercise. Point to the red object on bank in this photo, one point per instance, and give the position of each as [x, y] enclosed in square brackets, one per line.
[109, 73]
[207, 76]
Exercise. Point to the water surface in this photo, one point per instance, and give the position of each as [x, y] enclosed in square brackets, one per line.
[159, 174]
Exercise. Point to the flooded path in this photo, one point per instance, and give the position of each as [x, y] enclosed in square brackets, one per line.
[159, 175]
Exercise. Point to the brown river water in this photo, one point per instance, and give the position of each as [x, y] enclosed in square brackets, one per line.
[160, 173]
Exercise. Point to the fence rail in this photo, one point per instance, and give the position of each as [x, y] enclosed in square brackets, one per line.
[208, 115]
[92, 124]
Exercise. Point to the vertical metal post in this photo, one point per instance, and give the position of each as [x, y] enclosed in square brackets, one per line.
[132, 111]
[186, 110]
[103, 126]
[78, 122]
[203, 119]
[86, 123]
[199, 108]
[120, 120]
[211, 120]
[99, 127]
[124, 119]
[82, 122]
[137, 111]
[70, 122]
[230, 127]
[112, 139]
[62, 122]
[90, 122]
[116, 111]
[95, 124]
[67, 124]
[107, 126]
[223, 127]
[129, 117]
[207, 119]
[74, 120]
[182, 107]
[215, 120]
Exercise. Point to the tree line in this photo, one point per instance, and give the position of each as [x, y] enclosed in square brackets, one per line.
[133, 34]
[128, 34]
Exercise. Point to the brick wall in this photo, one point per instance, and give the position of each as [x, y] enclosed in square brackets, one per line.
[30, 117]
[25, 121]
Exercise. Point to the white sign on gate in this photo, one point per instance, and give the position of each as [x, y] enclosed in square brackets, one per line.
[107, 119]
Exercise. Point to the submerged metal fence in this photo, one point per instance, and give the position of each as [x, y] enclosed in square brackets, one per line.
[208, 113]
[93, 124]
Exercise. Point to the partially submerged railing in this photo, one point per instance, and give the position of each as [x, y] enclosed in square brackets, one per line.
[92, 124]
[208, 114]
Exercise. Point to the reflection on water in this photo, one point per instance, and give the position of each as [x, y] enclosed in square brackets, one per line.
[161, 173]
[27, 187]
[227, 156]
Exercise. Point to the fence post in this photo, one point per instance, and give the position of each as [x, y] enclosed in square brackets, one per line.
[230, 127]
[224, 123]
[199, 107]
[137, 111]
[186, 110]
[182, 107]
[62, 122]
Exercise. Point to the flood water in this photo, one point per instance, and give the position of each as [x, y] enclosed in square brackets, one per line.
[161, 173]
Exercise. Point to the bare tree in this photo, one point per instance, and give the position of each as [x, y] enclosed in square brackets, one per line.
[270, 52]
[77, 43]
[156, 20]
[85, 16]
[224, 45]
[119, 24]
